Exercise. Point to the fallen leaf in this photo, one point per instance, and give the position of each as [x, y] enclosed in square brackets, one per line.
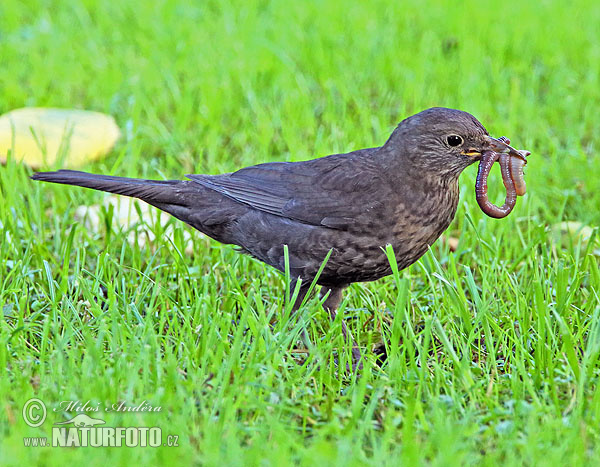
[41, 137]
[125, 216]
[576, 232]
[452, 242]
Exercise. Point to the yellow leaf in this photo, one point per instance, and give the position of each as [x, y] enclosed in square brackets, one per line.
[576, 232]
[41, 137]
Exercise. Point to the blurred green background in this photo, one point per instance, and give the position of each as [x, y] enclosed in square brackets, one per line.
[498, 341]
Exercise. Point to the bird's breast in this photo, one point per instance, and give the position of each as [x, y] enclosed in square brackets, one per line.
[410, 228]
[418, 225]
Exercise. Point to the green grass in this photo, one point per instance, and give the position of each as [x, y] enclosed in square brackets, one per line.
[493, 354]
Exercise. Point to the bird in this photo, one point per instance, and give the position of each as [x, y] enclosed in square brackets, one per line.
[346, 208]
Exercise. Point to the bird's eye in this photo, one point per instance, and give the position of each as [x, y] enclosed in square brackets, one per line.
[454, 140]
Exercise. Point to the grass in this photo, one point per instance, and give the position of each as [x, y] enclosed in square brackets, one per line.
[493, 354]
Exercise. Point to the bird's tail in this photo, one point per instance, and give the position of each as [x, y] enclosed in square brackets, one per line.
[152, 191]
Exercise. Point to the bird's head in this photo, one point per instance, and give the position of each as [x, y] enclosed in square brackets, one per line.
[442, 141]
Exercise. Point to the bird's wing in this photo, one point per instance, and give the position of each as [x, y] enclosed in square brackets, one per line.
[335, 191]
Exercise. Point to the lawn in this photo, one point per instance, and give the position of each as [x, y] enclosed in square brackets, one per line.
[493, 344]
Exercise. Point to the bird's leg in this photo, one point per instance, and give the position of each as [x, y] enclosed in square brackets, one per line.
[331, 304]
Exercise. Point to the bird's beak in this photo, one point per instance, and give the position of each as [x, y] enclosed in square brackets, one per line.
[498, 145]
[471, 152]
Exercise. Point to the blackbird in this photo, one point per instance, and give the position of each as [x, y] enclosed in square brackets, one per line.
[404, 194]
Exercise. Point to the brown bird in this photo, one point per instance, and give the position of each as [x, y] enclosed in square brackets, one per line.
[404, 194]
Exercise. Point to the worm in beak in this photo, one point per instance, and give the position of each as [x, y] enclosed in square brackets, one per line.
[511, 162]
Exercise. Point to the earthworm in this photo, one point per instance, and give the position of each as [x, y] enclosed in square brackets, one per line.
[485, 166]
[516, 174]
